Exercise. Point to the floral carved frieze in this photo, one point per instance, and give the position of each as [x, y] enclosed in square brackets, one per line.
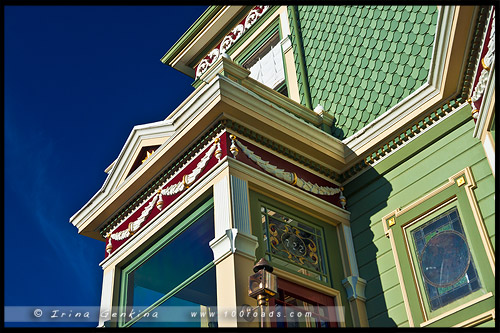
[230, 39]
[164, 195]
[484, 69]
[290, 177]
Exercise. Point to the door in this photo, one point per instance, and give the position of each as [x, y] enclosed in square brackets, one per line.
[298, 306]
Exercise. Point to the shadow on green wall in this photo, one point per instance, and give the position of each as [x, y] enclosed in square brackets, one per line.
[366, 196]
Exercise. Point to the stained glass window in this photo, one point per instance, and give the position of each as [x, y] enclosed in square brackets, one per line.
[294, 244]
[445, 263]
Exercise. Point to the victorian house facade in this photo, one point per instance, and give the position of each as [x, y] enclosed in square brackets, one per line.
[352, 147]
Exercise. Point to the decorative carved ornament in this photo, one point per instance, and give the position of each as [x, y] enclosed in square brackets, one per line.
[486, 62]
[230, 39]
[157, 200]
[289, 177]
[163, 196]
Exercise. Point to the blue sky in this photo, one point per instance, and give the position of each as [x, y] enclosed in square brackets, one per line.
[77, 80]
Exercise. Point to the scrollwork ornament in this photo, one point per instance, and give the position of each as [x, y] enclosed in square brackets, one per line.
[486, 63]
[289, 177]
[230, 39]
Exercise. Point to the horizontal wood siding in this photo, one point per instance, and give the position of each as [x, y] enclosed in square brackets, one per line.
[377, 192]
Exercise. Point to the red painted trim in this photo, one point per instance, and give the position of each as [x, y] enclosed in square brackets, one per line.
[168, 200]
[479, 68]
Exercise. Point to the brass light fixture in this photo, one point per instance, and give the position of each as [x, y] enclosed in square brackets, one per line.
[262, 285]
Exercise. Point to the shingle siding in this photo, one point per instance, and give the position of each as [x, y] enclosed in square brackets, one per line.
[363, 60]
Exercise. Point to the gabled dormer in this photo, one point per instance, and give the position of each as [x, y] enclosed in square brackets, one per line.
[256, 38]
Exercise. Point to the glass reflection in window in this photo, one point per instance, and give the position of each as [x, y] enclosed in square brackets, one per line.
[171, 265]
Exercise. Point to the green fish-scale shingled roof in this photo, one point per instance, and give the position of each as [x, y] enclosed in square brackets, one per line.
[362, 60]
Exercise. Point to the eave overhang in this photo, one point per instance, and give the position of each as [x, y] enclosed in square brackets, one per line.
[195, 42]
[226, 93]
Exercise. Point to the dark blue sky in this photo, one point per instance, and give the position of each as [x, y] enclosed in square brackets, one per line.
[77, 79]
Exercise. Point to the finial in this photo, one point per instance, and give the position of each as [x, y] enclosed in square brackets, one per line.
[263, 264]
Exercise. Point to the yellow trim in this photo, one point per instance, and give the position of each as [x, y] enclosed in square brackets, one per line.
[184, 181]
[401, 279]
[484, 65]
[479, 319]
[130, 228]
[470, 185]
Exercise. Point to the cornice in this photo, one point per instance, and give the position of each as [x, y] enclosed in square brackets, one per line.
[280, 149]
[218, 99]
[173, 168]
[421, 125]
[427, 117]
[199, 36]
[186, 38]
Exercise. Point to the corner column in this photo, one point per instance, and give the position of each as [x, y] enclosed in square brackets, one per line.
[234, 250]
[106, 295]
[354, 284]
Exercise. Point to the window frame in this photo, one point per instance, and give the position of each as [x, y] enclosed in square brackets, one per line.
[273, 28]
[176, 230]
[456, 193]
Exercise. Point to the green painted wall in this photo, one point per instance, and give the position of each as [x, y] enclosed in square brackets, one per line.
[449, 148]
[361, 60]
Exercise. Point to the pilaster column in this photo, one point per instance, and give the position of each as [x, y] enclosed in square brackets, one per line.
[107, 295]
[354, 284]
[234, 249]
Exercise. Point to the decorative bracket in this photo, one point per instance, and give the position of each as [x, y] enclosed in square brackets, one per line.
[355, 288]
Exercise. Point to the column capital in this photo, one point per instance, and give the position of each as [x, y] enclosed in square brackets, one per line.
[234, 241]
[355, 287]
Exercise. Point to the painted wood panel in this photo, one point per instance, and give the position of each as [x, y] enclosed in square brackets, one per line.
[397, 313]
[372, 195]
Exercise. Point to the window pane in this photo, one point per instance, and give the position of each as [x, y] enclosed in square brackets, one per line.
[266, 65]
[184, 308]
[445, 262]
[164, 271]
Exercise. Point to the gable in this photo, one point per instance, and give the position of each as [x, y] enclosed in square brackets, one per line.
[142, 140]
